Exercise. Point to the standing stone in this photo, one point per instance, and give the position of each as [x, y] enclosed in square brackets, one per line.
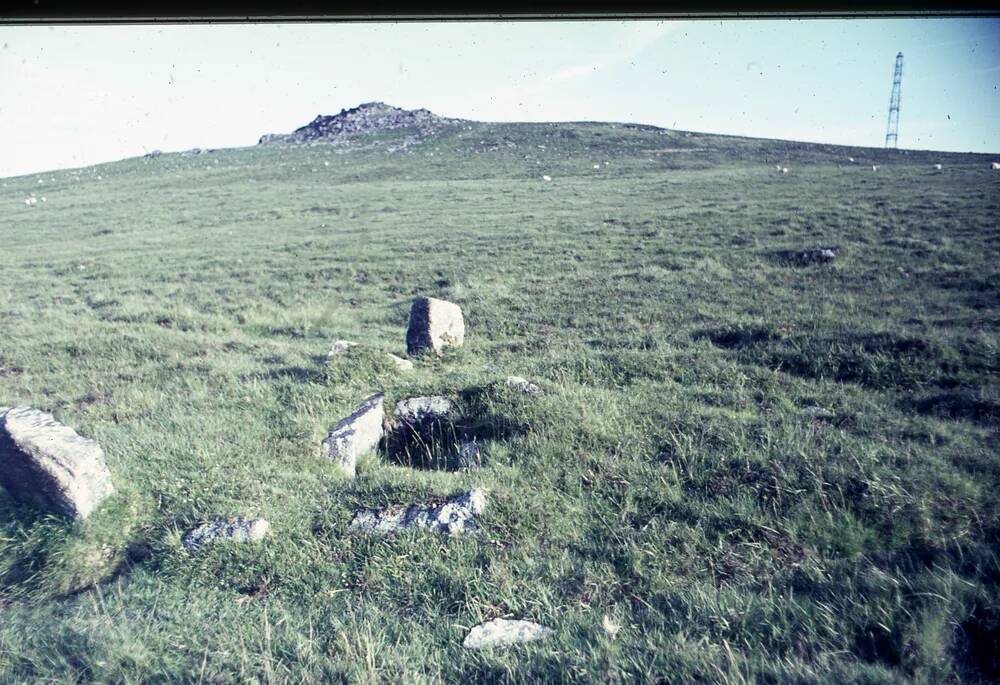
[47, 463]
[434, 324]
[502, 632]
[455, 516]
[355, 435]
[231, 530]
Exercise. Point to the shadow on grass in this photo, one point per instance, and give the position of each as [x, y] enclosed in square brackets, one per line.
[737, 337]
[958, 405]
[454, 441]
[299, 374]
[45, 556]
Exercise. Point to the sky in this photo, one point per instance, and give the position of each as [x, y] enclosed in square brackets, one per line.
[72, 96]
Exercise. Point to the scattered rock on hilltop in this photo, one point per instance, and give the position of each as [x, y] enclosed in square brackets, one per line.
[365, 118]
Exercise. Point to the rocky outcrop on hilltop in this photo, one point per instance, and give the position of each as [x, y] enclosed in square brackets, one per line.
[366, 118]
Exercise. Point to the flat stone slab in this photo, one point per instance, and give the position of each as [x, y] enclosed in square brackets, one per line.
[523, 385]
[228, 530]
[434, 324]
[356, 434]
[48, 464]
[416, 411]
[502, 632]
[455, 516]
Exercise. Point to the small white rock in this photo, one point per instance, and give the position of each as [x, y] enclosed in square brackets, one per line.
[523, 385]
[340, 347]
[401, 364]
[546, 178]
[502, 632]
[818, 412]
[610, 627]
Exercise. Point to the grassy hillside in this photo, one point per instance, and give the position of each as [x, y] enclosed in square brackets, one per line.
[676, 478]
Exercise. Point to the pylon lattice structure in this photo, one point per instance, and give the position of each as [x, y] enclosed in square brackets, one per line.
[892, 129]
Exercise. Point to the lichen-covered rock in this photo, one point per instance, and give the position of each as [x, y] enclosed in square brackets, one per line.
[401, 364]
[47, 463]
[356, 434]
[502, 632]
[455, 516]
[523, 385]
[229, 530]
[434, 324]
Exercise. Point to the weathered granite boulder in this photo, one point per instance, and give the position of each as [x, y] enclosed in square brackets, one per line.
[502, 632]
[523, 385]
[356, 434]
[230, 530]
[48, 464]
[434, 324]
[455, 516]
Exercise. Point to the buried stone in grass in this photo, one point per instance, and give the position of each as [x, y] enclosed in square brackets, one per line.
[455, 516]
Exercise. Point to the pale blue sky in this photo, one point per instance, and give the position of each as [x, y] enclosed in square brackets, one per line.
[72, 96]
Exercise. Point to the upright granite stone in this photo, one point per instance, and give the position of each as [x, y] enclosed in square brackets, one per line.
[48, 464]
[355, 435]
[434, 324]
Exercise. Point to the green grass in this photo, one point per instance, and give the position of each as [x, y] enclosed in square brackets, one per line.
[179, 311]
